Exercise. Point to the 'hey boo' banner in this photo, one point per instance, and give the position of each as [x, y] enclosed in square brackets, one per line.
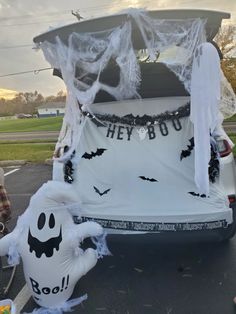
[121, 132]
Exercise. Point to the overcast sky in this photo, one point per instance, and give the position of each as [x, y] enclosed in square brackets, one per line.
[21, 20]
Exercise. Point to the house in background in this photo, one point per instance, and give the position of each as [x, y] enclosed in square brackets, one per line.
[51, 109]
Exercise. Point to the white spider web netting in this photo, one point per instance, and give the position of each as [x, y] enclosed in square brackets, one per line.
[88, 54]
[83, 57]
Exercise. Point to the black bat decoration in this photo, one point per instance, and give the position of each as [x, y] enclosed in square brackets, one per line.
[99, 152]
[187, 152]
[68, 167]
[197, 194]
[214, 164]
[101, 193]
[148, 179]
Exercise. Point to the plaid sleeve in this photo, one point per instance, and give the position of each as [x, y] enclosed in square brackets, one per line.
[5, 205]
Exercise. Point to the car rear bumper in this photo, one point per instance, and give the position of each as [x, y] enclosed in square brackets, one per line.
[217, 229]
[137, 226]
[214, 235]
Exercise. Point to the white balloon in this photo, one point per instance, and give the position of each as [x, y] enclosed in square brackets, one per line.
[48, 242]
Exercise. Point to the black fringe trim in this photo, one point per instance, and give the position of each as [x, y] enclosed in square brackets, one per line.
[145, 120]
[214, 163]
[68, 167]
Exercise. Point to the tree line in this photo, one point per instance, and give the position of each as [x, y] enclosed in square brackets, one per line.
[226, 41]
[27, 103]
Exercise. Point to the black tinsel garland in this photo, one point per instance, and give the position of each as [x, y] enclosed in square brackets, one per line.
[68, 167]
[187, 152]
[145, 120]
[214, 164]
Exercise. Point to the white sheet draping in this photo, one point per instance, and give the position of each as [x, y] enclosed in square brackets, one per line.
[205, 99]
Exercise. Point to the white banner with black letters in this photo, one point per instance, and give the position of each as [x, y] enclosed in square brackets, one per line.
[144, 173]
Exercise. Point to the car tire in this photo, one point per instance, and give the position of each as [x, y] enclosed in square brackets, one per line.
[229, 233]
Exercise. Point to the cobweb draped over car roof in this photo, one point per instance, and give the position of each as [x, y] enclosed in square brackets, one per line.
[87, 54]
[83, 57]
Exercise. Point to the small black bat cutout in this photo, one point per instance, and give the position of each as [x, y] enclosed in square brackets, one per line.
[197, 194]
[148, 179]
[187, 152]
[99, 152]
[101, 193]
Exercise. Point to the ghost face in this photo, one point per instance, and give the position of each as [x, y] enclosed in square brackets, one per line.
[46, 227]
[142, 132]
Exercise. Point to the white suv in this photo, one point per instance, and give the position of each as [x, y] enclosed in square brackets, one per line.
[130, 140]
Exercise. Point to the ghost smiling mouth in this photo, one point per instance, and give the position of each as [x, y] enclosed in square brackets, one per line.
[46, 247]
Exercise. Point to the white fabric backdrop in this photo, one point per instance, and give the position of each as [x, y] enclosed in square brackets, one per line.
[118, 169]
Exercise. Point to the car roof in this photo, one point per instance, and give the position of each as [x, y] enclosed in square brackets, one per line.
[214, 19]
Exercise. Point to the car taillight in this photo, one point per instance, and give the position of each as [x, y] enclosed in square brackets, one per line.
[231, 198]
[224, 148]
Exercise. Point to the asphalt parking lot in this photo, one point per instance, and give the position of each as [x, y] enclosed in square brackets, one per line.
[142, 275]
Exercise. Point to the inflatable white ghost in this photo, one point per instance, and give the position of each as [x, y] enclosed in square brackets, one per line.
[48, 242]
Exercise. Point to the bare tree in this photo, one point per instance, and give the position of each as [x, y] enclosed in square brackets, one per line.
[226, 40]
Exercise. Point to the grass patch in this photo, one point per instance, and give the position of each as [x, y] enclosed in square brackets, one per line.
[33, 141]
[233, 139]
[231, 119]
[32, 152]
[30, 125]
[234, 151]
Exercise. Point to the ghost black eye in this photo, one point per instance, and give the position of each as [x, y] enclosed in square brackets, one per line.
[51, 221]
[41, 221]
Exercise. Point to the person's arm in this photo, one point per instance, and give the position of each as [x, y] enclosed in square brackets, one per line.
[1, 176]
